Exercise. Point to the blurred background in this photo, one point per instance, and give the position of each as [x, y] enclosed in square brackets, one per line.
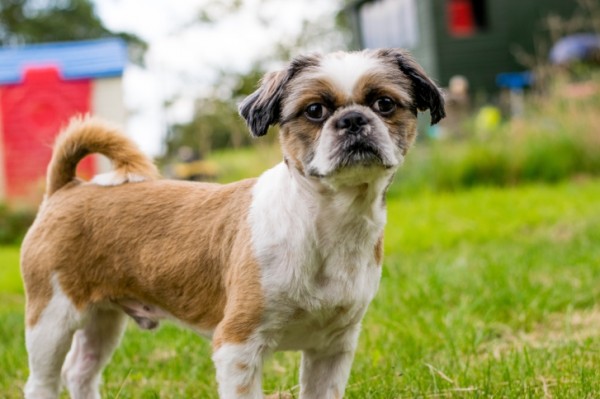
[520, 79]
[172, 74]
[521, 82]
[491, 282]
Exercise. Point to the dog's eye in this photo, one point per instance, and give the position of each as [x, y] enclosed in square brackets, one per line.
[316, 112]
[384, 106]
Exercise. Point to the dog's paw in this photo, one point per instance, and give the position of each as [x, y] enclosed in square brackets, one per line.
[280, 395]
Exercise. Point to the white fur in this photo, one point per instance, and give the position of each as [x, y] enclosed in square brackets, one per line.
[329, 238]
[47, 344]
[322, 162]
[91, 349]
[346, 69]
[239, 368]
[115, 178]
[319, 271]
[324, 373]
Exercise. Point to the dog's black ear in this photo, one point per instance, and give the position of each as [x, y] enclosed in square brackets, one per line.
[262, 108]
[427, 96]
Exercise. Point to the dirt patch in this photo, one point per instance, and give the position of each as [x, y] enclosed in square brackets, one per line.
[556, 330]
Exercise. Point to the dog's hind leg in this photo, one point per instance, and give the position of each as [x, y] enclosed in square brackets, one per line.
[48, 340]
[91, 350]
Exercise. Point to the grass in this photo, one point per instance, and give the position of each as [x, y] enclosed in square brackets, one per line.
[486, 293]
[244, 162]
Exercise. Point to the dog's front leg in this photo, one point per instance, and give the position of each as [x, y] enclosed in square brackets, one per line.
[324, 373]
[239, 370]
[238, 359]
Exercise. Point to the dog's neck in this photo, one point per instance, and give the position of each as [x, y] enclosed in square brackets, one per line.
[345, 195]
[330, 234]
[318, 212]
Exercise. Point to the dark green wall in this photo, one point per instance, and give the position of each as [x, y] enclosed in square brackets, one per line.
[512, 25]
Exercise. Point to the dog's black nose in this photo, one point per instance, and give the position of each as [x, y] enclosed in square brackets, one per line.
[352, 122]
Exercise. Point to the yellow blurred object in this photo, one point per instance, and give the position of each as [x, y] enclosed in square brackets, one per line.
[488, 119]
[195, 170]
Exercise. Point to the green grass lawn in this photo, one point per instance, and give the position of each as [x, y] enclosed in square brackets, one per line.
[485, 293]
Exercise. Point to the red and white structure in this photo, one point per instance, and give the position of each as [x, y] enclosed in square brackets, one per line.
[41, 88]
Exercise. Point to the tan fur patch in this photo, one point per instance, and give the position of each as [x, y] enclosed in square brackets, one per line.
[242, 366]
[177, 245]
[245, 301]
[243, 389]
[37, 287]
[379, 250]
[402, 124]
[183, 247]
[304, 92]
[298, 139]
[385, 82]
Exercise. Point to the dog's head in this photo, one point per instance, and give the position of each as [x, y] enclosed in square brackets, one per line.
[344, 112]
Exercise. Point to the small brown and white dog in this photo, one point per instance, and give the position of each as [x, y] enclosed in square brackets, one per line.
[287, 261]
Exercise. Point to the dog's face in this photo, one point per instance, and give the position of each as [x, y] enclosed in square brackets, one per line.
[344, 112]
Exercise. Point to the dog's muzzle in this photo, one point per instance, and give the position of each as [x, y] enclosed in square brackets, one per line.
[357, 145]
[352, 123]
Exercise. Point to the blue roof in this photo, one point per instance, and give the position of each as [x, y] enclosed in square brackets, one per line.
[75, 60]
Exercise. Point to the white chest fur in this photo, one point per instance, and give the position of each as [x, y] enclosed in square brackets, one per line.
[317, 258]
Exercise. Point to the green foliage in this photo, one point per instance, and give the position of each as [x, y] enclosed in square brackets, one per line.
[246, 162]
[29, 21]
[14, 223]
[216, 123]
[485, 293]
[10, 278]
[503, 161]
[556, 140]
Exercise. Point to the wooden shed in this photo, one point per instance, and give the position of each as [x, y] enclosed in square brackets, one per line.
[473, 38]
[41, 88]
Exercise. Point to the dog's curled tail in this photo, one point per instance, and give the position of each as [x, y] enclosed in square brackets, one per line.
[87, 135]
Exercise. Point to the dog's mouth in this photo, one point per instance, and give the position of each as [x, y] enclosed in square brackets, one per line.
[354, 156]
[360, 153]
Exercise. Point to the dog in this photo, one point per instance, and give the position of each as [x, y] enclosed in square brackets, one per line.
[287, 261]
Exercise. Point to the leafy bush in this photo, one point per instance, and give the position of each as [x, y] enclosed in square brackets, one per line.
[14, 224]
[556, 140]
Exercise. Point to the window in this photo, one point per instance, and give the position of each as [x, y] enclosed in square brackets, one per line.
[466, 17]
[389, 23]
